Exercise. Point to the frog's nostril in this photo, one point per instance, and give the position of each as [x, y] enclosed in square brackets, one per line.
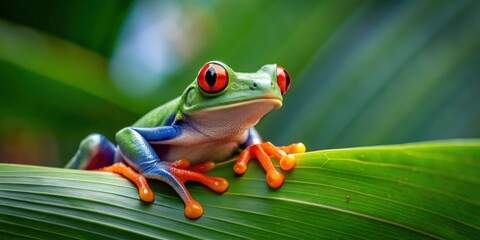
[254, 85]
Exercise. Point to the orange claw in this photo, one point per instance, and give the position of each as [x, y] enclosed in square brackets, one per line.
[144, 191]
[262, 152]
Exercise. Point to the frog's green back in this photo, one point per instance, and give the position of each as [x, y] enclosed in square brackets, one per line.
[159, 116]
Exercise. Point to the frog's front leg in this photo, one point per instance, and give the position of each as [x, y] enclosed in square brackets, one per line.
[255, 148]
[134, 146]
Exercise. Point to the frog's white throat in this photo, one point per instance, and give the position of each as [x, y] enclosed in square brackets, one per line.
[231, 120]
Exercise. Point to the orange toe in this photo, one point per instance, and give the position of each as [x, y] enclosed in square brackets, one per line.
[275, 179]
[287, 162]
[240, 168]
[193, 210]
[219, 185]
[146, 194]
[203, 166]
[298, 148]
[181, 163]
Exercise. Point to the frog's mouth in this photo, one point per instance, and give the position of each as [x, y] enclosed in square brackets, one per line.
[274, 102]
[231, 119]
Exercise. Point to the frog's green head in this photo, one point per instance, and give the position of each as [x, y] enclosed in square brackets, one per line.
[217, 86]
[236, 100]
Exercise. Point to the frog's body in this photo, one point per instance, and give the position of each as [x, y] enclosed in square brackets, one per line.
[210, 121]
[213, 134]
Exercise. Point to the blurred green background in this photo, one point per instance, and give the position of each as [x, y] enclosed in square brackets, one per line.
[364, 72]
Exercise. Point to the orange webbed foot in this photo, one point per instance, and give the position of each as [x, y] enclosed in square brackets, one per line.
[262, 152]
[175, 174]
[193, 209]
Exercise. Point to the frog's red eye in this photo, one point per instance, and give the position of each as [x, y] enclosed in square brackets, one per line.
[283, 79]
[212, 78]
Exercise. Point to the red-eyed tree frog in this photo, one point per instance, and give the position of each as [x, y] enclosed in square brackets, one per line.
[210, 122]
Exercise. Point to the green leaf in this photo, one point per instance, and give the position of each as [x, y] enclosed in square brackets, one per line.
[414, 191]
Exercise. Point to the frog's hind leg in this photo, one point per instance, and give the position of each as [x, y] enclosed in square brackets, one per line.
[94, 152]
